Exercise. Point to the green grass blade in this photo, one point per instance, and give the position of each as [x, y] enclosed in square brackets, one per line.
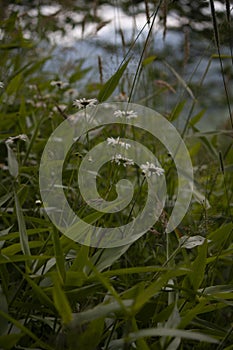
[25, 330]
[22, 227]
[59, 255]
[8, 341]
[161, 332]
[112, 83]
[60, 300]
[12, 162]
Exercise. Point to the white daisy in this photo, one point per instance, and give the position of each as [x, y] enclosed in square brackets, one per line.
[118, 158]
[126, 114]
[149, 169]
[83, 102]
[113, 142]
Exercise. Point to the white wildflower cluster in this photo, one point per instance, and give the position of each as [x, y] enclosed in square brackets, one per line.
[126, 114]
[13, 139]
[32, 87]
[150, 169]
[1, 85]
[60, 84]
[83, 102]
[119, 158]
[37, 104]
[113, 142]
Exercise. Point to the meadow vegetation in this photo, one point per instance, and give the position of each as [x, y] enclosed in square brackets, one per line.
[164, 291]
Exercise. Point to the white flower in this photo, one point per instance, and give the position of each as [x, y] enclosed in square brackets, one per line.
[150, 169]
[59, 84]
[126, 161]
[127, 114]
[1, 85]
[83, 102]
[13, 139]
[32, 87]
[113, 142]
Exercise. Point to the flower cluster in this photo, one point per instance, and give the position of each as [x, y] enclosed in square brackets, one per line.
[113, 142]
[149, 169]
[118, 159]
[83, 102]
[126, 114]
[60, 84]
[13, 139]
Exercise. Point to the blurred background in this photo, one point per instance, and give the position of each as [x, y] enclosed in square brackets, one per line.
[171, 45]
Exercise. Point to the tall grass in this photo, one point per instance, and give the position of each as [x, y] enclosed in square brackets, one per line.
[159, 292]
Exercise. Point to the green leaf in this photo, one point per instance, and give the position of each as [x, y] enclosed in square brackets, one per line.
[87, 338]
[106, 257]
[39, 293]
[80, 262]
[3, 234]
[147, 293]
[161, 332]
[134, 270]
[25, 331]
[141, 343]
[221, 235]
[3, 307]
[20, 258]
[22, 227]
[207, 144]
[198, 267]
[112, 83]
[219, 291]
[197, 117]
[106, 283]
[5, 198]
[60, 300]
[79, 74]
[177, 110]
[75, 278]
[17, 247]
[101, 310]
[149, 60]
[12, 162]
[59, 255]
[191, 313]
[14, 84]
[8, 342]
